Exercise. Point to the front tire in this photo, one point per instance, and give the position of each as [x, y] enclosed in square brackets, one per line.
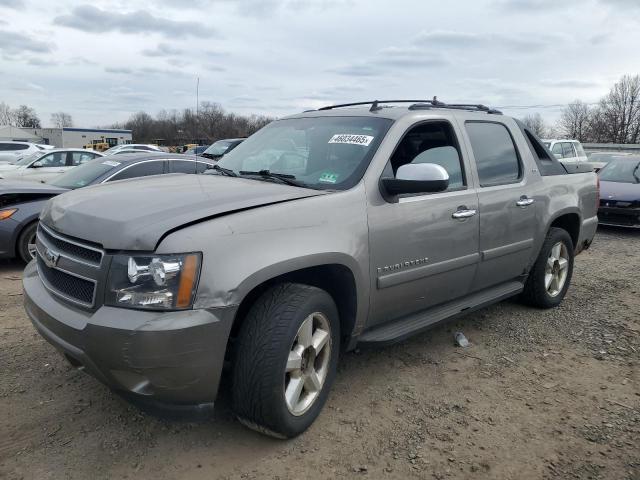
[550, 276]
[286, 359]
[26, 245]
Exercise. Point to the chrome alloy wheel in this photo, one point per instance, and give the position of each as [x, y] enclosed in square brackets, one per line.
[307, 364]
[31, 246]
[556, 269]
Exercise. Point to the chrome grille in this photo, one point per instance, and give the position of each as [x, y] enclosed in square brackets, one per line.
[70, 248]
[66, 285]
[68, 268]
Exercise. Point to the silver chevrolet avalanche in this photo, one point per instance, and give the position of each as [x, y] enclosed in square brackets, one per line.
[349, 225]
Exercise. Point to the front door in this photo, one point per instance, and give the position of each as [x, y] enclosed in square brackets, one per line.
[507, 210]
[423, 248]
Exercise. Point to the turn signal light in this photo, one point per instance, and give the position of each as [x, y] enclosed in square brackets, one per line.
[4, 214]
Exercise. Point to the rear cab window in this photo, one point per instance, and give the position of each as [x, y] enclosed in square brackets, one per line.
[496, 156]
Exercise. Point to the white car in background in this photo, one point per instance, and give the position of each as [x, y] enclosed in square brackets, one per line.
[11, 151]
[43, 166]
[132, 146]
[567, 151]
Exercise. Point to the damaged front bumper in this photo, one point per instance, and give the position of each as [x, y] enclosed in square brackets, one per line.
[167, 357]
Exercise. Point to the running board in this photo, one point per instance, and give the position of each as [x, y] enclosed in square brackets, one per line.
[400, 329]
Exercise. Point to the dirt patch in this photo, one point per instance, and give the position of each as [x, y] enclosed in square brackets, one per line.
[539, 394]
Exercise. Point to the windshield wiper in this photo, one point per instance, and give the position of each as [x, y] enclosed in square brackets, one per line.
[283, 177]
[224, 171]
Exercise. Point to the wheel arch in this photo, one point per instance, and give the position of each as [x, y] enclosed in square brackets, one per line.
[336, 276]
[570, 221]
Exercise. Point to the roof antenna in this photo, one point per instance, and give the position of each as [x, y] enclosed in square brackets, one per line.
[375, 107]
[436, 102]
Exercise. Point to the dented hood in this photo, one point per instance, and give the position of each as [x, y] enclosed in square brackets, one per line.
[135, 214]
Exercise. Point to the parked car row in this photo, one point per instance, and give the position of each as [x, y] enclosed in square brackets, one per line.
[42, 166]
[21, 202]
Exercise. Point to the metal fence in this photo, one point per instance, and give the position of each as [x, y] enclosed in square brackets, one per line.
[612, 147]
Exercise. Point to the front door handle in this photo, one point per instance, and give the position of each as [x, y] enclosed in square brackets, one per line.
[463, 213]
[524, 201]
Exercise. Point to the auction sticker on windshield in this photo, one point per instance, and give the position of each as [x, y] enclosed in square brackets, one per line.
[364, 140]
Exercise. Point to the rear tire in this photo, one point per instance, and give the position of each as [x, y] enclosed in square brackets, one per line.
[25, 246]
[286, 359]
[550, 276]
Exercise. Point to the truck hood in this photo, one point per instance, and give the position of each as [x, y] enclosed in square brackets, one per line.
[135, 214]
[626, 192]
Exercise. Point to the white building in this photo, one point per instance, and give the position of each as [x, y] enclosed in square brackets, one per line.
[15, 134]
[71, 137]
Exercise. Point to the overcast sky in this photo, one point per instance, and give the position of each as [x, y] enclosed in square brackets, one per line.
[102, 61]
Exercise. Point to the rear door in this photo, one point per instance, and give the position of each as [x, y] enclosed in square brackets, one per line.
[507, 211]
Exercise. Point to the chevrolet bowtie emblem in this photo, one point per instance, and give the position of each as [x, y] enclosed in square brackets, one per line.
[51, 258]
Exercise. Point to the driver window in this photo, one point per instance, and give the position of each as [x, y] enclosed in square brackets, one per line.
[432, 142]
[56, 159]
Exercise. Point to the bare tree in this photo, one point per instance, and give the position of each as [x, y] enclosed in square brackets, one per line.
[574, 121]
[209, 124]
[7, 116]
[61, 120]
[26, 117]
[619, 112]
[536, 124]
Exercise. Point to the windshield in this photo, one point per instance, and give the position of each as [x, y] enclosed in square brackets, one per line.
[218, 148]
[621, 171]
[321, 152]
[84, 174]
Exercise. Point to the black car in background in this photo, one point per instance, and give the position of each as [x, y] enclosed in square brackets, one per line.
[221, 147]
[620, 192]
[21, 202]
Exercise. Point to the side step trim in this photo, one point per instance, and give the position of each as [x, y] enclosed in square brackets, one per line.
[398, 330]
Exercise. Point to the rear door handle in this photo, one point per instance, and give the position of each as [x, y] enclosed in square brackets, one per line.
[463, 213]
[524, 201]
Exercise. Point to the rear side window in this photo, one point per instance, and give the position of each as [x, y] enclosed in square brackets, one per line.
[567, 150]
[557, 149]
[10, 147]
[141, 170]
[187, 166]
[496, 156]
[78, 158]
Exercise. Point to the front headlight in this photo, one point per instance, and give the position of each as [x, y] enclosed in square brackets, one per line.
[154, 282]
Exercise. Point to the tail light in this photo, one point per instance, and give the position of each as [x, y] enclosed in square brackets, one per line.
[597, 191]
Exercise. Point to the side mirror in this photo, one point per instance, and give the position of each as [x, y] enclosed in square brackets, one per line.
[417, 178]
[37, 164]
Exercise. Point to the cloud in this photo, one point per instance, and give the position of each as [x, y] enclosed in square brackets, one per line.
[162, 50]
[88, 18]
[17, 43]
[621, 3]
[256, 8]
[405, 57]
[27, 87]
[12, 3]
[532, 6]
[123, 70]
[456, 39]
[570, 83]
[39, 62]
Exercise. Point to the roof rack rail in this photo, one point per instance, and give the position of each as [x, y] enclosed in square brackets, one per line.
[417, 104]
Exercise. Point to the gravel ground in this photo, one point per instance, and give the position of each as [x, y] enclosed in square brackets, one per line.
[539, 394]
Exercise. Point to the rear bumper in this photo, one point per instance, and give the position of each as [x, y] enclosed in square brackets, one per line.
[587, 233]
[166, 357]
